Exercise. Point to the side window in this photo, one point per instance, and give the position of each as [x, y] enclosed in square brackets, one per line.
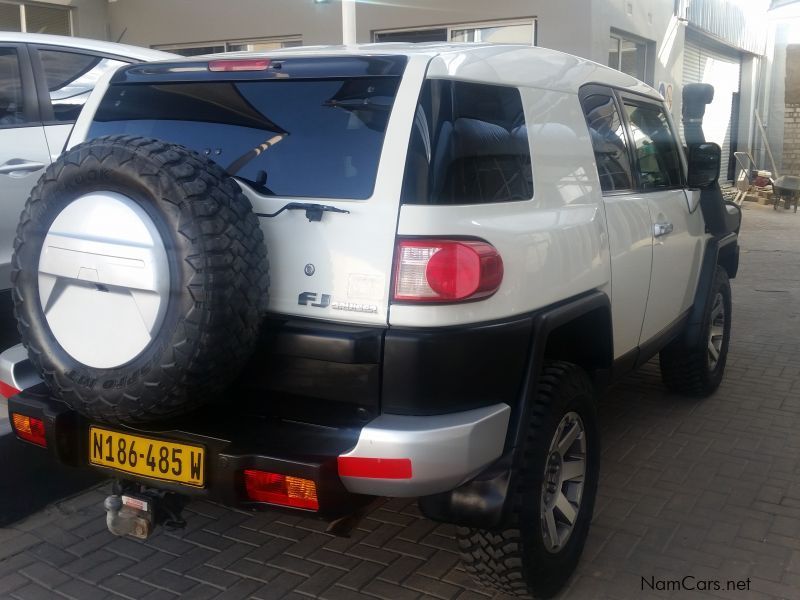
[469, 145]
[12, 109]
[71, 77]
[608, 141]
[658, 161]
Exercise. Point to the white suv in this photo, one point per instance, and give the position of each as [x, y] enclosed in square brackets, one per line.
[465, 242]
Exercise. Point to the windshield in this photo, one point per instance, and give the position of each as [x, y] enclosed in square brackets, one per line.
[301, 138]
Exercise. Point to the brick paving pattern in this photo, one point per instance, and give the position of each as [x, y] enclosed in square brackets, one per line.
[708, 489]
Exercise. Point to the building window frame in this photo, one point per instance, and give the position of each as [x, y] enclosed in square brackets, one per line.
[23, 20]
[287, 41]
[649, 53]
[532, 21]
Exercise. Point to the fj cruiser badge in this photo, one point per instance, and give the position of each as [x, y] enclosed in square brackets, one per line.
[310, 298]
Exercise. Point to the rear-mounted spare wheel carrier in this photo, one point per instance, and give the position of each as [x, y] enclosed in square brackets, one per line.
[140, 279]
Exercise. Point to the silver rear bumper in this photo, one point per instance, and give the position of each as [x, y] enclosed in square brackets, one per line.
[16, 371]
[445, 450]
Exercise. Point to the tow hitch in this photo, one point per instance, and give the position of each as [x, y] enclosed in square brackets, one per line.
[135, 510]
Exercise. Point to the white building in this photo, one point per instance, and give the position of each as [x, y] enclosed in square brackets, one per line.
[664, 42]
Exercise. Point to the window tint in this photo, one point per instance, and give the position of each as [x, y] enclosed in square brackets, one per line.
[658, 161]
[12, 110]
[71, 77]
[469, 145]
[608, 141]
[314, 138]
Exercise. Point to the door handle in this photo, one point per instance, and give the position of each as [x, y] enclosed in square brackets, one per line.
[19, 165]
[660, 229]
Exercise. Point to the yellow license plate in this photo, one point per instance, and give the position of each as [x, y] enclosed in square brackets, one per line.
[157, 459]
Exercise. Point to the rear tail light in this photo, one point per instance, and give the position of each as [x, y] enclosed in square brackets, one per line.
[7, 390]
[438, 270]
[238, 64]
[374, 468]
[284, 490]
[29, 429]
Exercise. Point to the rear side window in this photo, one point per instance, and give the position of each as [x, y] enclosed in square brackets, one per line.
[469, 145]
[608, 141]
[71, 77]
[318, 138]
[12, 110]
[657, 158]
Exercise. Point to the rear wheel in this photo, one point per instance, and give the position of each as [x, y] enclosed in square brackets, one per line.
[554, 496]
[698, 370]
[139, 279]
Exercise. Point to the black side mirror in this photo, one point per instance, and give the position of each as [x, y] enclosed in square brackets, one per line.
[704, 163]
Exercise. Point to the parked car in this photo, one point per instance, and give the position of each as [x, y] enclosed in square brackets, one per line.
[44, 82]
[310, 278]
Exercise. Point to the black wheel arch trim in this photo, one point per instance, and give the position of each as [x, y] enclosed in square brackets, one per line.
[722, 251]
[484, 501]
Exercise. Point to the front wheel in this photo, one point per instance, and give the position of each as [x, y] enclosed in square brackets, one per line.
[553, 498]
[697, 371]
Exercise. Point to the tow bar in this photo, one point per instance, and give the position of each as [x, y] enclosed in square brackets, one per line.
[135, 510]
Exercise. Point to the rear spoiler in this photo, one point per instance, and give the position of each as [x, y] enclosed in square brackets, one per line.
[262, 67]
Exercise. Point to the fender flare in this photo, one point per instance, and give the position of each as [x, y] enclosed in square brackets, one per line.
[483, 502]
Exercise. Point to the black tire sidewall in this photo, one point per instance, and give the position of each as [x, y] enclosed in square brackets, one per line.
[722, 286]
[547, 571]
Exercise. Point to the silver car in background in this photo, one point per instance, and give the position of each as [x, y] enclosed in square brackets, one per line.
[44, 82]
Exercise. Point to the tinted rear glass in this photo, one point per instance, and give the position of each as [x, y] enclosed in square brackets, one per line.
[308, 138]
[469, 145]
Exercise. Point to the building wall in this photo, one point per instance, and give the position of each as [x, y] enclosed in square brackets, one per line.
[89, 17]
[791, 118]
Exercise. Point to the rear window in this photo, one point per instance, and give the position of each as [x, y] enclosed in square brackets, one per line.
[469, 145]
[308, 138]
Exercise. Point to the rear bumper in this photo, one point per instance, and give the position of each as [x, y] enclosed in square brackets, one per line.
[444, 450]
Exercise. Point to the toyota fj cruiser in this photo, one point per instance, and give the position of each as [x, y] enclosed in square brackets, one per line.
[310, 278]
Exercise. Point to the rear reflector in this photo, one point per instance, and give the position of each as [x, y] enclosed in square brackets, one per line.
[239, 64]
[7, 391]
[29, 429]
[375, 468]
[284, 490]
[446, 270]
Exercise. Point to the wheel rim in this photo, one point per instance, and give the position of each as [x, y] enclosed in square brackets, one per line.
[716, 333]
[563, 482]
[103, 279]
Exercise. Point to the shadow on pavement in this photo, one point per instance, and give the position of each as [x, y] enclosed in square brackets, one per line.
[30, 479]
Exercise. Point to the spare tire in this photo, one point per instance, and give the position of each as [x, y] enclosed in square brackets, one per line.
[140, 279]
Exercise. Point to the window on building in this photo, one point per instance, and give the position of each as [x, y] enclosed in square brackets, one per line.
[629, 56]
[657, 158]
[35, 18]
[12, 109]
[469, 145]
[10, 17]
[500, 32]
[608, 140]
[265, 45]
[71, 77]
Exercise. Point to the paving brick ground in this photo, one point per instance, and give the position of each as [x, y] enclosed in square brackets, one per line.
[704, 489]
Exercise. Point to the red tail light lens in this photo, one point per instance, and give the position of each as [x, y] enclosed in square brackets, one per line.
[284, 490]
[29, 429]
[238, 64]
[446, 270]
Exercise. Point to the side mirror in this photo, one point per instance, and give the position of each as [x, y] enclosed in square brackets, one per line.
[704, 163]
